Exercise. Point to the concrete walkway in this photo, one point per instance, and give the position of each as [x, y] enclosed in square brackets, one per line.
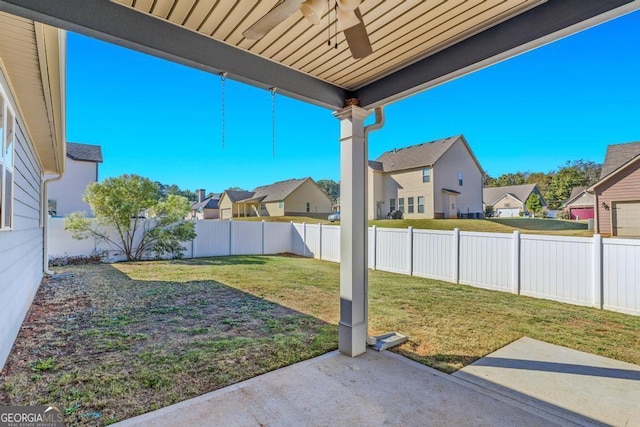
[369, 390]
[568, 383]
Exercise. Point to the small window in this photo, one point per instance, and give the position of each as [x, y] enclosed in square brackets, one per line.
[460, 179]
[7, 142]
[401, 204]
[263, 207]
[281, 205]
[426, 175]
[421, 204]
[392, 205]
[308, 207]
[52, 207]
[410, 204]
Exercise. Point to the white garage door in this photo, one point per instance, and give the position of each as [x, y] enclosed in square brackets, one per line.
[508, 212]
[626, 219]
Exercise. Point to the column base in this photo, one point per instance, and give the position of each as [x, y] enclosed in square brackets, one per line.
[352, 340]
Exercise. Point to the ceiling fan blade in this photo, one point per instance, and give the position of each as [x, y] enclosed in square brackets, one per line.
[358, 39]
[280, 12]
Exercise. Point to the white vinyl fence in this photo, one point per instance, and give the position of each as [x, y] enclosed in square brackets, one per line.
[596, 272]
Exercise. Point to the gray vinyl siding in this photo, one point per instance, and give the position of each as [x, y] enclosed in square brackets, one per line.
[21, 249]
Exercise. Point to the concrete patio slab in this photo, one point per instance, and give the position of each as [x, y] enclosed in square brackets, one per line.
[336, 390]
[562, 381]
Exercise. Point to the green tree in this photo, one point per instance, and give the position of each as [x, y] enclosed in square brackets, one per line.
[534, 204]
[511, 179]
[330, 187]
[129, 205]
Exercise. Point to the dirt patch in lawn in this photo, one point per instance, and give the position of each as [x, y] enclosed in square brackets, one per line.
[106, 347]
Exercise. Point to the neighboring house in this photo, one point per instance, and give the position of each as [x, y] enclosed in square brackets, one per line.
[438, 179]
[579, 206]
[511, 200]
[65, 196]
[32, 150]
[293, 197]
[205, 207]
[617, 194]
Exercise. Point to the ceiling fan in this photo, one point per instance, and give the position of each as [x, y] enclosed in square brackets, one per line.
[348, 15]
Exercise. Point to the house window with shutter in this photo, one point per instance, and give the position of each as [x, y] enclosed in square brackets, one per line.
[308, 207]
[421, 204]
[410, 204]
[401, 204]
[7, 142]
[392, 205]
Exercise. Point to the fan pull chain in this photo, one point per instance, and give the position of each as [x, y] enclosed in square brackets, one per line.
[223, 78]
[273, 121]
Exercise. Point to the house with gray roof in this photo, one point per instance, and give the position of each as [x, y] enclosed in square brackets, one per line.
[510, 200]
[292, 197]
[437, 179]
[205, 207]
[81, 163]
[579, 205]
[617, 193]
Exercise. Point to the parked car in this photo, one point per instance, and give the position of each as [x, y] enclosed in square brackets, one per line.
[334, 217]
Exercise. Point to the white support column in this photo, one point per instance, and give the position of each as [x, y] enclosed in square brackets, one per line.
[353, 231]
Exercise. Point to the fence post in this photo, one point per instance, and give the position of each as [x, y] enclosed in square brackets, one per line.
[456, 256]
[515, 273]
[410, 250]
[231, 237]
[598, 283]
[320, 241]
[374, 244]
[304, 239]
[263, 222]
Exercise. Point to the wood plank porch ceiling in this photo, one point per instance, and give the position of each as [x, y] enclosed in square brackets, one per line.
[401, 32]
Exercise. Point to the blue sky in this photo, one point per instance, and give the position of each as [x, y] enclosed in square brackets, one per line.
[565, 101]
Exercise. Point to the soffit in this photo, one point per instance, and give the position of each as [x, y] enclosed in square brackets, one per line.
[400, 32]
[22, 54]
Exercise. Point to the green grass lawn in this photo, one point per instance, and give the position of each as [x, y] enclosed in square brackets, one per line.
[119, 340]
[495, 225]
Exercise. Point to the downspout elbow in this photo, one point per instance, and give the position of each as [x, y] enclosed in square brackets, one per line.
[378, 124]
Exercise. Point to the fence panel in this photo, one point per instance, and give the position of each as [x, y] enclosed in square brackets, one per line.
[277, 237]
[432, 252]
[485, 260]
[331, 243]
[61, 244]
[297, 240]
[212, 239]
[392, 250]
[557, 268]
[246, 238]
[621, 275]
[313, 241]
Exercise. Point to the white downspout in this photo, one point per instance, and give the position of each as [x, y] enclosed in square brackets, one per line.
[378, 124]
[45, 223]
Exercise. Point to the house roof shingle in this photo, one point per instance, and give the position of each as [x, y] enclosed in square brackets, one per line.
[579, 197]
[208, 203]
[277, 191]
[84, 152]
[491, 195]
[415, 156]
[618, 155]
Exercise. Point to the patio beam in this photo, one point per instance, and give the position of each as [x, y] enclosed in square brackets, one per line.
[352, 339]
[114, 23]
